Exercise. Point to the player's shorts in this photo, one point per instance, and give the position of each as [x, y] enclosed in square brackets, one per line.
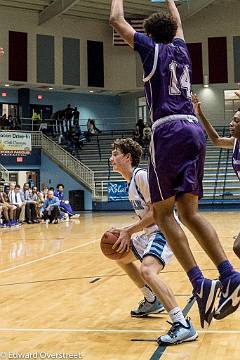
[153, 244]
[177, 152]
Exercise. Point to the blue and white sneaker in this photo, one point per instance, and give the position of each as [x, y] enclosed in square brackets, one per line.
[229, 297]
[178, 334]
[206, 295]
[145, 308]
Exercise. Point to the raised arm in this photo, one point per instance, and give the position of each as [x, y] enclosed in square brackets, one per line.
[118, 22]
[173, 10]
[222, 142]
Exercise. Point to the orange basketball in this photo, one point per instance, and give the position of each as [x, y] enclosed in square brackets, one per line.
[107, 241]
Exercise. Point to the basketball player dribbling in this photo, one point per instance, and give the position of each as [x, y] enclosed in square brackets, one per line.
[150, 247]
[177, 152]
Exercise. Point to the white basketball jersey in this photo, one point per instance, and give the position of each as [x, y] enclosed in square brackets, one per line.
[139, 196]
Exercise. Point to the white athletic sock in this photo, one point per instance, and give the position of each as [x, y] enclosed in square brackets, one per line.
[176, 315]
[148, 294]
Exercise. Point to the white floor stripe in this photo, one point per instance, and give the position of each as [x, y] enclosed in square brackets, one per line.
[117, 331]
[46, 257]
[202, 251]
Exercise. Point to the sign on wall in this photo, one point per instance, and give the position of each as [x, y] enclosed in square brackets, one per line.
[15, 143]
[117, 191]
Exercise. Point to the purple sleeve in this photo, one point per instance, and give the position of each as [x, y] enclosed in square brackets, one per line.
[181, 44]
[144, 45]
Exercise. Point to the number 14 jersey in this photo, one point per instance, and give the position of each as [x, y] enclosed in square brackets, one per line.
[167, 76]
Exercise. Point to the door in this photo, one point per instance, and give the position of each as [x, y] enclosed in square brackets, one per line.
[32, 175]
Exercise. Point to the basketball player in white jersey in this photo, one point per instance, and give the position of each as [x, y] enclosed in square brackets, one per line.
[150, 247]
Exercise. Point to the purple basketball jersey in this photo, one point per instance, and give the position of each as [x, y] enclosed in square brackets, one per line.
[167, 76]
[236, 158]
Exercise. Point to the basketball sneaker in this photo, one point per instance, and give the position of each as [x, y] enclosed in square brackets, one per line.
[145, 308]
[205, 295]
[229, 297]
[178, 334]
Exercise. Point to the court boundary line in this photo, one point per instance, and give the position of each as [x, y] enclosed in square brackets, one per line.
[116, 331]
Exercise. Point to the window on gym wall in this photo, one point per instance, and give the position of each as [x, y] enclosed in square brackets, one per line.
[142, 111]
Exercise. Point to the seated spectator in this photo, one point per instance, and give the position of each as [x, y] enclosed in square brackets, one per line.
[75, 139]
[9, 194]
[51, 210]
[44, 192]
[136, 136]
[17, 199]
[147, 132]
[7, 191]
[64, 204]
[38, 199]
[91, 129]
[7, 210]
[30, 208]
[97, 131]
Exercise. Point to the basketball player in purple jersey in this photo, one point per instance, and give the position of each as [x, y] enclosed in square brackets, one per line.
[225, 142]
[177, 155]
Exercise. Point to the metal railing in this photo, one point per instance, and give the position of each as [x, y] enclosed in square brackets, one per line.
[36, 138]
[59, 126]
[70, 163]
[222, 162]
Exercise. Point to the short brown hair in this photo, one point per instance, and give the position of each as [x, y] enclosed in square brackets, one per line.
[129, 146]
[161, 27]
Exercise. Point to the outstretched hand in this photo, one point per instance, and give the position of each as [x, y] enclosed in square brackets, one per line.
[196, 104]
[123, 242]
[1, 51]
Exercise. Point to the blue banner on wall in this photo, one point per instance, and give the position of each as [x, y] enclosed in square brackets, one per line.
[34, 159]
[117, 191]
